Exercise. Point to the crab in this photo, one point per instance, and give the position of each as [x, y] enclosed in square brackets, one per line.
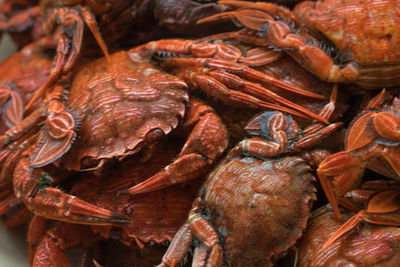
[46, 242]
[372, 141]
[370, 245]
[213, 219]
[363, 34]
[268, 183]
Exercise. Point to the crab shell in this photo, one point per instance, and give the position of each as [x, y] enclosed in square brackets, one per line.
[259, 208]
[366, 32]
[118, 102]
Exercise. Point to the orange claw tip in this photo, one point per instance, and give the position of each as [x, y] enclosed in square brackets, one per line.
[157, 181]
[217, 17]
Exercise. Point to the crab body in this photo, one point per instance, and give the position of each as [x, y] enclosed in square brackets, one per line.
[245, 226]
[267, 189]
[118, 103]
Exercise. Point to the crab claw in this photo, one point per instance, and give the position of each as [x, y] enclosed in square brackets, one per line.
[58, 136]
[158, 181]
[206, 143]
[35, 188]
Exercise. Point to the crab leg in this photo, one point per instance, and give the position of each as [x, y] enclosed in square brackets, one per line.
[215, 56]
[206, 143]
[316, 131]
[227, 79]
[281, 35]
[199, 227]
[217, 89]
[69, 43]
[178, 247]
[333, 166]
[14, 111]
[382, 209]
[225, 57]
[252, 9]
[34, 188]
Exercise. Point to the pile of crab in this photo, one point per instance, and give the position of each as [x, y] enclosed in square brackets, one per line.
[202, 133]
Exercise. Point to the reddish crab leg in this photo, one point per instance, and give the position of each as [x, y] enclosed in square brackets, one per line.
[206, 143]
[223, 69]
[217, 89]
[230, 80]
[381, 210]
[34, 188]
[213, 56]
[250, 10]
[69, 43]
[333, 166]
[196, 226]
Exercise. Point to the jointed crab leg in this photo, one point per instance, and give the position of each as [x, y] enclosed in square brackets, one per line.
[206, 143]
[14, 111]
[383, 208]
[34, 188]
[196, 226]
[214, 56]
[69, 42]
[205, 72]
[281, 35]
[258, 22]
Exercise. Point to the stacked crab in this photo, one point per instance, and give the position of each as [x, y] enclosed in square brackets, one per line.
[134, 139]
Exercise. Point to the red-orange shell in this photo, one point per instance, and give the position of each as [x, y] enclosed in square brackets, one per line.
[259, 208]
[118, 101]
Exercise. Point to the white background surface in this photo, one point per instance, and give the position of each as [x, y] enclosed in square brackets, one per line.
[13, 247]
